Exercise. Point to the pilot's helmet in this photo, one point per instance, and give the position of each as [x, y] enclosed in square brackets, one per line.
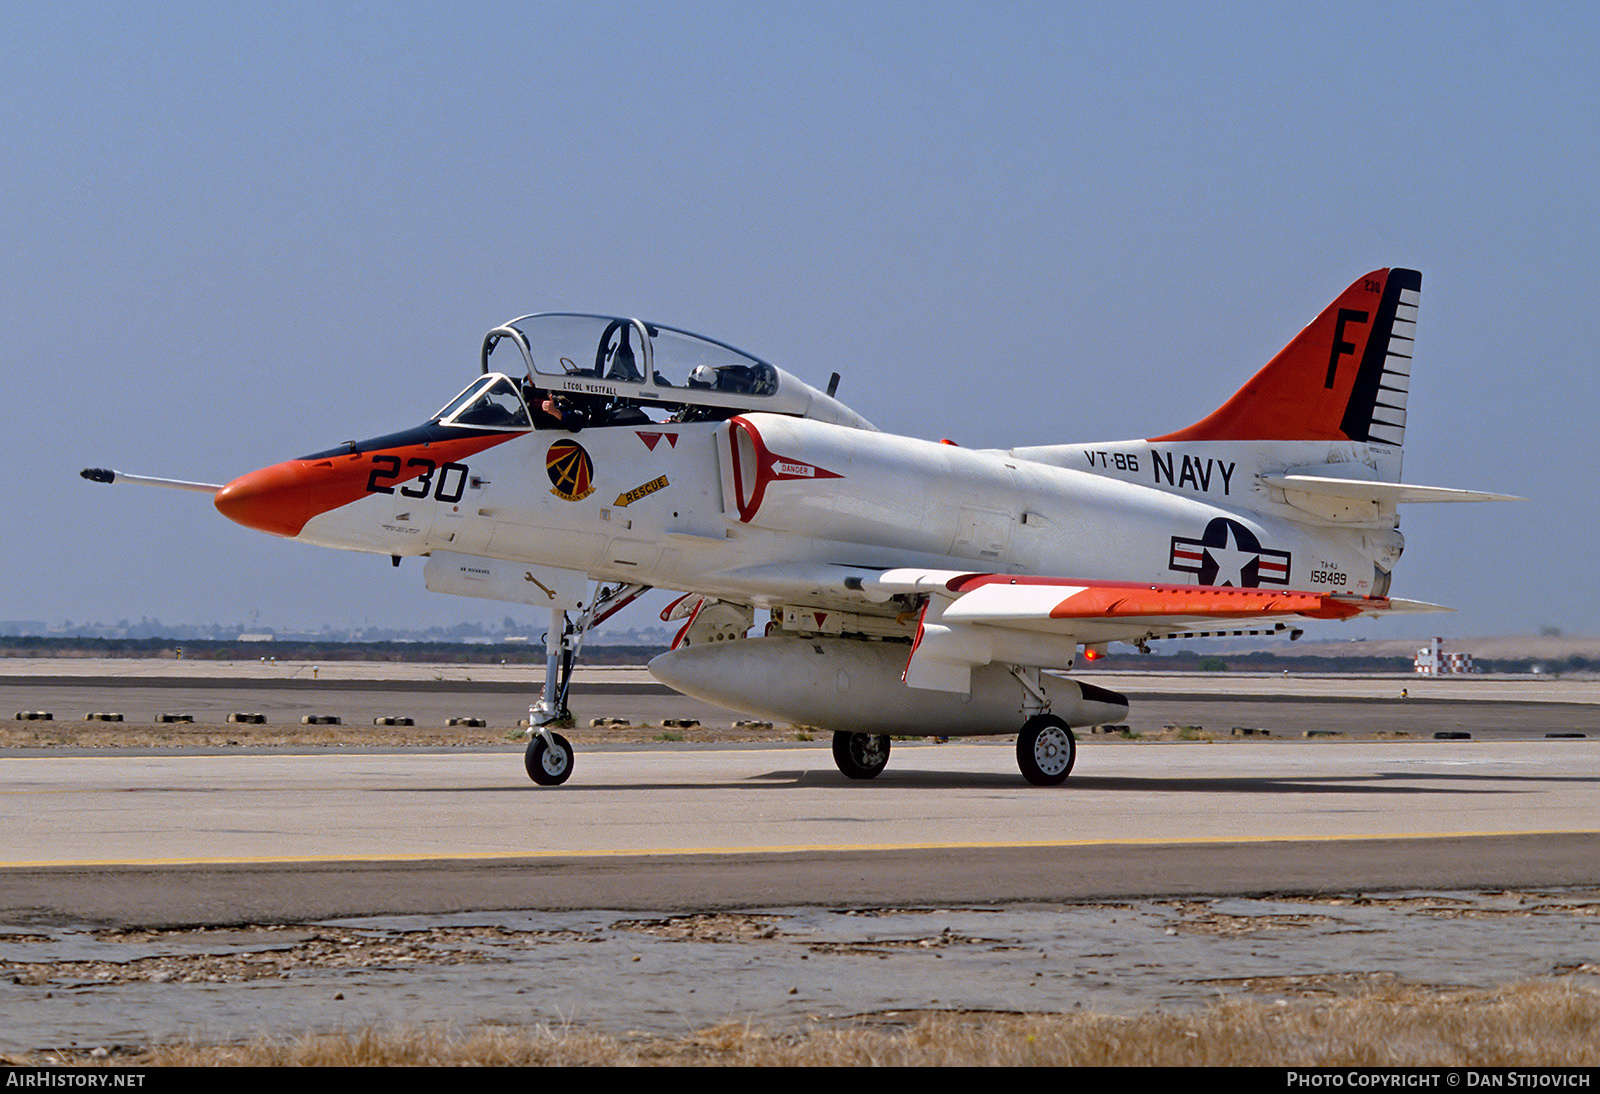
[703, 376]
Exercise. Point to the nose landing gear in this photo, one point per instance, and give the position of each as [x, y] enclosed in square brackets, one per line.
[549, 763]
[549, 756]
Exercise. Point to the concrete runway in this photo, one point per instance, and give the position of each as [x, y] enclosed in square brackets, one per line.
[178, 837]
[185, 830]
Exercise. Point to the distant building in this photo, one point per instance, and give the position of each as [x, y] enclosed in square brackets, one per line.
[1432, 660]
[255, 637]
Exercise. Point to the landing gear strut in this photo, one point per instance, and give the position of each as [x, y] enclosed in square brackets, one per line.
[549, 756]
[1046, 748]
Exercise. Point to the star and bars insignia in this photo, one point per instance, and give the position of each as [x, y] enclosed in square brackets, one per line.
[1228, 553]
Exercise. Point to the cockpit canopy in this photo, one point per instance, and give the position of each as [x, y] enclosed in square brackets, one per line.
[627, 369]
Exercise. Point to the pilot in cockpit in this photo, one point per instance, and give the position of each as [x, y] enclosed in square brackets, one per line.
[551, 409]
[736, 379]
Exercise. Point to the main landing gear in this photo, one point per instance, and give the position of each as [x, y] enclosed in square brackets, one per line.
[1046, 750]
[1046, 747]
[549, 756]
[861, 755]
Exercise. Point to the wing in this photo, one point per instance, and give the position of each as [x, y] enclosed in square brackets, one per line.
[972, 619]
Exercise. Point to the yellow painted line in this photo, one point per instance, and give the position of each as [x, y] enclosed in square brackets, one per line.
[789, 849]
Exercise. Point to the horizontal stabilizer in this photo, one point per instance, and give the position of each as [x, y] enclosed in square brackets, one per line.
[1415, 607]
[1390, 493]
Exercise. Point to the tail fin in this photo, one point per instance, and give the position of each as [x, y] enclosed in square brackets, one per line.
[1344, 377]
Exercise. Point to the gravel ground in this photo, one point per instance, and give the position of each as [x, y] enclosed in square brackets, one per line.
[84, 988]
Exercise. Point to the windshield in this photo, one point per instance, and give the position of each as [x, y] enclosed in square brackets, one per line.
[491, 402]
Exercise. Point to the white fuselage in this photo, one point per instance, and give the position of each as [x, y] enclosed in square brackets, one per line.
[701, 505]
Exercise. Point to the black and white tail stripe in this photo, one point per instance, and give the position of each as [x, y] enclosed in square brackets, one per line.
[1377, 408]
[1389, 409]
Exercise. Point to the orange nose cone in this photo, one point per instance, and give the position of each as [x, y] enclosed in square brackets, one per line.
[281, 498]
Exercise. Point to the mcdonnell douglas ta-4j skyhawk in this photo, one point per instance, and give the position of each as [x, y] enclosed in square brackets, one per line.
[893, 585]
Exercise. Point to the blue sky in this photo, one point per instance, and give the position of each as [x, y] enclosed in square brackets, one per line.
[238, 234]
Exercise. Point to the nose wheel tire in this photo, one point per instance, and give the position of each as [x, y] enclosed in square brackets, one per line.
[549, 766]
[860, 755]
[1046, 750]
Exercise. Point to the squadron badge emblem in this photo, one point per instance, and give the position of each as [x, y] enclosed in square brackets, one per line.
[570, 469]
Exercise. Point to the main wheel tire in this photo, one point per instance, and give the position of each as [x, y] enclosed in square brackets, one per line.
[1046, 750]
[860, 755]
[549, 766]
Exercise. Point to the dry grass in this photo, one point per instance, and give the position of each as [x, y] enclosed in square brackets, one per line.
[1546, 1023]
